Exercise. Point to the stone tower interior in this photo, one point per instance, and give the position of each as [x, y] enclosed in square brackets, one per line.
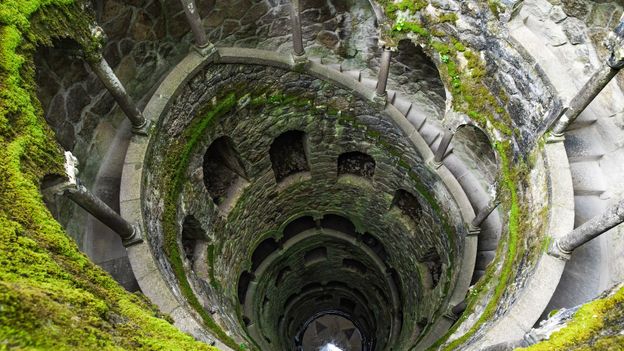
[365, 175]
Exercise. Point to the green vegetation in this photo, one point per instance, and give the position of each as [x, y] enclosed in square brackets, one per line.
[51, 296]
[587, 328]
[464, 72]
[176, 164]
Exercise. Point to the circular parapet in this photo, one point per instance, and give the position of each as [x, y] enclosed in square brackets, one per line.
[187, 287]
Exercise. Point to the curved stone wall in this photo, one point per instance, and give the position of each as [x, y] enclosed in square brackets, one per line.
[222, 247]
[262, 104]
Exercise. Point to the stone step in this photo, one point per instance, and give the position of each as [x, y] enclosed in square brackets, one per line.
[585, 119]
[391, 96]
[583, 145]
[429, 132]
[369, 82]
[437, 137]
[586, 207]
[455, 165]
[587, 178]
[357, 75]
[490, 232]
[415, 118]
[335, 66]
[484, 258]
[477, 274]
[474, 189]
[402, 104]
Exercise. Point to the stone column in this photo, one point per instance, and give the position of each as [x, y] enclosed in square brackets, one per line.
[70, 186]
[202, 44]
[384, 70]
[564, 246]
[297, 36]
[484, 212]
[595, 84]
[447, 136]
[106, 75]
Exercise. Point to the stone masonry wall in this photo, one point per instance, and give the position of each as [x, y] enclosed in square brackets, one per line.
[263, 207]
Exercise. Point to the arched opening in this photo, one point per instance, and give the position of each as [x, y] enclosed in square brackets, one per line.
[192, 232]
[356, 163]
[375, 245]
[243, 284]
[408, 204]
[338, 223]
[431, 259]
[474, 148]
[415, 75]
[264, 249]
[354, 265]
[288, 154]
[297, 226]
[331, 332]
[316, 255]
[224, 173]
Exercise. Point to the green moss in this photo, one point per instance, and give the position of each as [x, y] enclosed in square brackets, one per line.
[496, 7]
[474, 98]
[211, 262]
[51, 296]
[586, 329]
[176, 164]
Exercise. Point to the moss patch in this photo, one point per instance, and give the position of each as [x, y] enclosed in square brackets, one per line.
[464, 73]
[51, 295]
[595, 326]
[176, 164]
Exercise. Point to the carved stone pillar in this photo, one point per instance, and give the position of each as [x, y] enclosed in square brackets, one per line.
[589, 230]
[106, 75]
[70, 186]
[384, 71]
[297, 36]
[202, 44]
[595, 84]
[442, 148]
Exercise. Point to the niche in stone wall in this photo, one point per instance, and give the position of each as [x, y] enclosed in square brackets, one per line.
[356, 163]
[473, 147]
[316, 255]
[418, 77]
[338, 223]
[347, 304]
[431, 260]
[375, 245]
[297, 226]
[192, 233]
[264, 249]
[281, 276]
[289, 156]
[408, 204]
[354, 266]
[243, 284]
[224, 173]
